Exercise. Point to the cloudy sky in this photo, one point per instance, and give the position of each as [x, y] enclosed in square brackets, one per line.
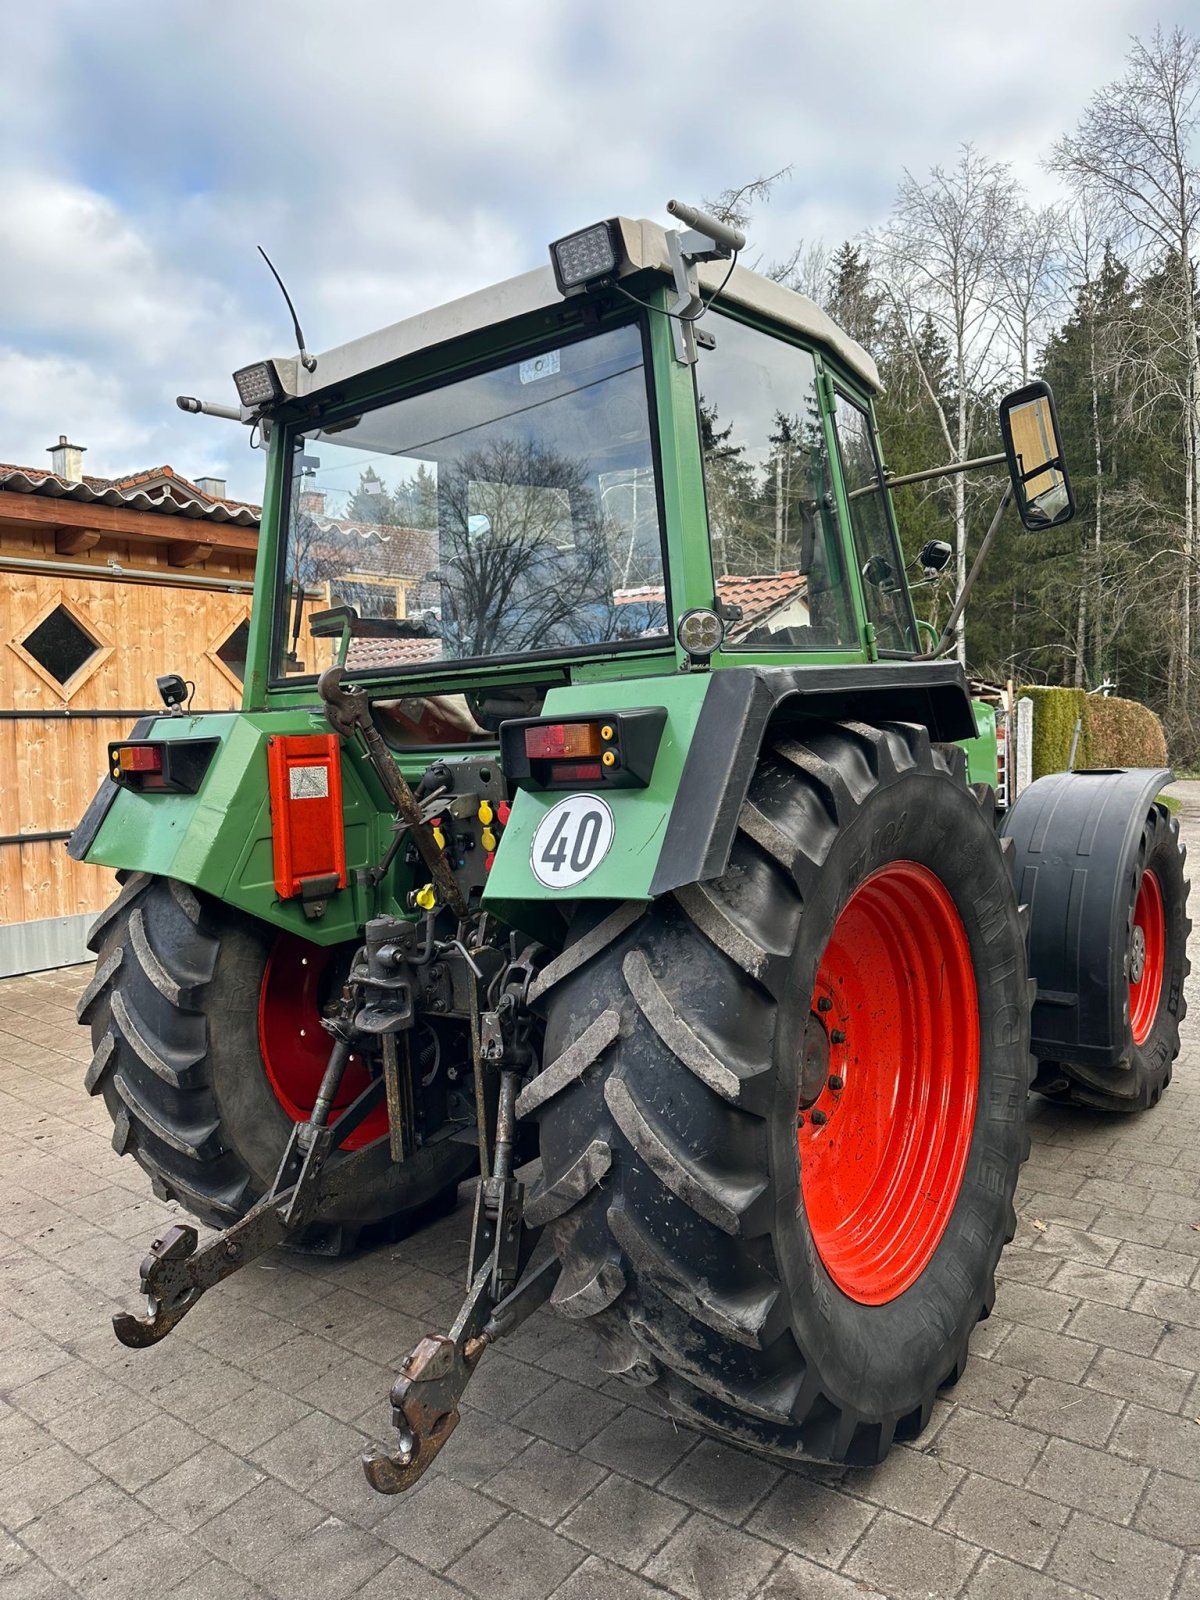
[391, 156]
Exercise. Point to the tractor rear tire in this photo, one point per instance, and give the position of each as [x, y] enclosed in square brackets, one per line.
[782, 1114]
[1155, 937]
[174, 1010]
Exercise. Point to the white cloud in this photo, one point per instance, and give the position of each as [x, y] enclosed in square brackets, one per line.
[390, 157]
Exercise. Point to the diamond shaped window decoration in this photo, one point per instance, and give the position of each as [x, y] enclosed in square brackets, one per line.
[61, 647]
[228, 651]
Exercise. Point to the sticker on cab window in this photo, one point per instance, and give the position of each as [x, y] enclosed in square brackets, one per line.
[571, 841]
[539, 367]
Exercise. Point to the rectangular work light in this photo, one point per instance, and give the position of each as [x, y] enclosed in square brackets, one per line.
[258, 385]
[585, 258]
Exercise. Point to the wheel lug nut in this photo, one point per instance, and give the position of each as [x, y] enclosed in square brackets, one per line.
[837, 1036]
[824, 1003]
[836, 1083]
[819, 1119]
[799, 1119]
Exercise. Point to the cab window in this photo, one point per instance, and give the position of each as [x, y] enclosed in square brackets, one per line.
[771, 518]
[880, 564]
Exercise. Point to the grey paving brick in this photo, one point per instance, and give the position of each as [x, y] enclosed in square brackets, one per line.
[1024, 1266]
[1003, 1518]
[83, 1527]
[1114, 1563]
[330, 1561]
[1095, 1481]
[257, 1529]
[137, 1458]
[351, 1384]
[1188, 1586]
[308, 1449]
[1048, 1355]
[1144, 1379]
[42, 1481]
[988, 1445]
[19, 1439]
[623, 1520]
[1180, 1347]
[134, 1568]
[215, 1581]
[1146, 1261]
[1000, 1579]
[726, 1482]
[988, 1386]
[260, 1413]
[545, 1481]
[503, 1387]
[1172, 1443]
[1069, 1244]
[602, 1580]
[1168, 1303]
[566, 1413]
[797, 1579]
[1034, 1307]
[440, 1519]
[641, 1444]
[516, 1560]
[1115, 1327]
[30, 1581]
[915, 1482]
[477, 1450]
[811, 1519]
[403, 1579]
[1170, 1510]
[909, 1561]
[708, 1560]
[200, 1487]
[1068, 1410]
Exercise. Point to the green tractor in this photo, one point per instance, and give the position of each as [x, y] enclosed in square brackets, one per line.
[599, 821]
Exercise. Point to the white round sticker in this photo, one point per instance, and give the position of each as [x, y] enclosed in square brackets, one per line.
[571, 841]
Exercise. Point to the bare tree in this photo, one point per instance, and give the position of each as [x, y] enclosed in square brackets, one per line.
[736, 206]
[1030, 286]
[939, 256]
[1134, 152]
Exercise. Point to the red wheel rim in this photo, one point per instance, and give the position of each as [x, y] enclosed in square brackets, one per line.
[298, 980]
[1147, 957]
[894, 1036]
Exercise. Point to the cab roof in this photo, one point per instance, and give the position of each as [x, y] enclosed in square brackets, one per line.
[645, 246]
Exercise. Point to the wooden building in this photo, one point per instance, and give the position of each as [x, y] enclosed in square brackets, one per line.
[104, 585]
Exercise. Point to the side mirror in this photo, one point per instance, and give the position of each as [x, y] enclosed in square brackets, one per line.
[934, 556]
[1033, 446]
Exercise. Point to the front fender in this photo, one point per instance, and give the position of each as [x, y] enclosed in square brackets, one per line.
[1076, 837]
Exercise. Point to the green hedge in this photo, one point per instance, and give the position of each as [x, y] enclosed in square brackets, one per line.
[1114, 733]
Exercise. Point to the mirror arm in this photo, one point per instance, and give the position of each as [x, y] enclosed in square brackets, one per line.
[948, 471]
[947, 638]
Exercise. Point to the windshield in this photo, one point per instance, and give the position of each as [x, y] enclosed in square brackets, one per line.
[510, 513]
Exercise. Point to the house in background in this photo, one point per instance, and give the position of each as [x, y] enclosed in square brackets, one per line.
[105, 583]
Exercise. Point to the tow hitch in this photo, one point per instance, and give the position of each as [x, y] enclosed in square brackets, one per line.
[392, 980]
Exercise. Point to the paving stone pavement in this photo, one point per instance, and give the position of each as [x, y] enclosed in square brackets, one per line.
[224, 1463]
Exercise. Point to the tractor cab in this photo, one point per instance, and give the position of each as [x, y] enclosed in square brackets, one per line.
[539, 482]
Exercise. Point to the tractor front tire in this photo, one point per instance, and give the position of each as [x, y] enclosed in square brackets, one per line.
[782, 1114]
[175, 1010]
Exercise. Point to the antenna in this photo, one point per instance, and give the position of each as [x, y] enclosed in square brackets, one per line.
[309, 363]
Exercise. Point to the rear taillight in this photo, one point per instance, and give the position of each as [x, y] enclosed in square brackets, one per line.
[556, 741]
[166, 766]
[615, 750]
